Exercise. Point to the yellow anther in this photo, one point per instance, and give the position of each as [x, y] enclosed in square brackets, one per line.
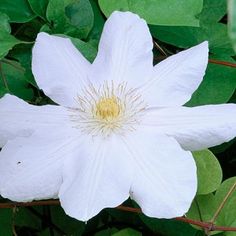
[108, 108]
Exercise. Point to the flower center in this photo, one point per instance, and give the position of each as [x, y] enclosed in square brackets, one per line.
[108, 108]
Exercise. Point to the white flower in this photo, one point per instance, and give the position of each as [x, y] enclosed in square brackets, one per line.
[120, 129]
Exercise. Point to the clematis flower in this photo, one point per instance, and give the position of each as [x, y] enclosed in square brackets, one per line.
[119, 130]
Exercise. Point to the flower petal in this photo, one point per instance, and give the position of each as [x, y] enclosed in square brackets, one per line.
[18, 118]
[125, 50]
[59, 68]
[176, 78]
[165, 180]
[31, 168]
[99, 177]
[195, 128]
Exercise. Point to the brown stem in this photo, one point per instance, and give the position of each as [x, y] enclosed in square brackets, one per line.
[204, 225]
[224, 63]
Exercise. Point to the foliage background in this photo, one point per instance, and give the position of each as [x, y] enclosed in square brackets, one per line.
[175, 25]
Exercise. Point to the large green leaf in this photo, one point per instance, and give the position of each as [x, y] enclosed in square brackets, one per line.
[4, 23]
[158, 12]
[169, 227]
[209, 172]
[184, 37]
[71, 17]
[227, 215]
[99, 21]
[86, 49]
[17, 10]
[69, 225]
[80, 14]
[13, 75]
[7, 42]
[232, 21]
[213, 10]
[218, 84]
[204, 207]
[210, 30]
[39, 7]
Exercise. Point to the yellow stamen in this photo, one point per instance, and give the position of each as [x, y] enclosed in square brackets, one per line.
[108, 108]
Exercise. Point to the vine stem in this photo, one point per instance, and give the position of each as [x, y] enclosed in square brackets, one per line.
[224, 63]
[204, 225]
[231, 190]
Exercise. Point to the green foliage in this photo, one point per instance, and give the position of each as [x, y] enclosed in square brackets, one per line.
[232, 20]
[218, 85]
[158, 12]
[18, 10]
[210, 29]
[75, 18]
[39, 7]
[208, 171]
[175, 25]
[204, 207]
[6, 222]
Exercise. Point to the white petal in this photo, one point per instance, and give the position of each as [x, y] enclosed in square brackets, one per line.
[195, 128]
[99, 177]
[175, 79]
[165, 182]
[18, 118]
[31, 168]
[59, 68]
[125, 50]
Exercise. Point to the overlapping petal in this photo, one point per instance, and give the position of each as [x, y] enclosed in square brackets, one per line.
[125, 50]
[18, 118]
[194, 128]
[31, 167]
[165, 175]
[99, 177]
[59, 68]
[176, 78]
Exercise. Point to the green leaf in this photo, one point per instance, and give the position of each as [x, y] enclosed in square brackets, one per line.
[18, 10]
[88, 51]
[7, 42]
[213, 10]
[106, 232]
[127, 232]
[209, 172]
[210, 30]
[99, 21]
[184, 37]
[39, 7]
[204, 207]
[71, 17]
[56, 15]
[228, 212]
[232, 22]
[168, 227]
[14, 76]
[6, 222]
[66, 223]
[4, 23]
[23, 217]
[218, 84]
[23, 54]
[80, 14]
[158, 12]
